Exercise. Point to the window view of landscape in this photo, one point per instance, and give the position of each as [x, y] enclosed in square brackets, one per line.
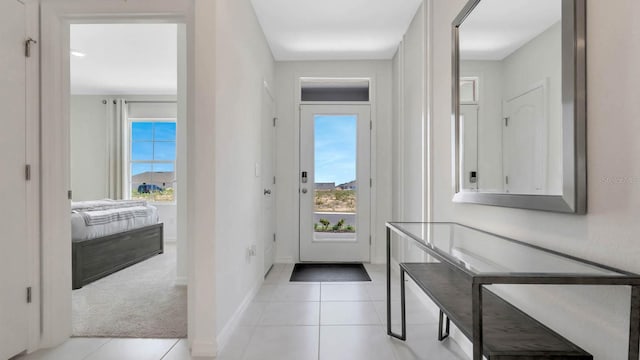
[335, 200]
[153, 160]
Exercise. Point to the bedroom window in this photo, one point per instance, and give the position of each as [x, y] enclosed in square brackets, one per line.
[152, 159]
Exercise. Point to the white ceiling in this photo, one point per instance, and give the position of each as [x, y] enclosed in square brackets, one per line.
[334, 29]
[496, 28]
[124, 59]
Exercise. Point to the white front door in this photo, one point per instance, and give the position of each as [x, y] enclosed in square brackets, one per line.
[13, 213]
[268, 179]
[525, 143]
[334, 183]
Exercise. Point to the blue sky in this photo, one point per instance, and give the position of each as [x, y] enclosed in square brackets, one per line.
[335, 148]
[153, 141]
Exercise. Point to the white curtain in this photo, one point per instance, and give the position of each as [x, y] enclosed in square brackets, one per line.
[116, 116]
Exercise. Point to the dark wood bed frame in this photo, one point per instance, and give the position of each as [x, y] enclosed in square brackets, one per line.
[96, 258]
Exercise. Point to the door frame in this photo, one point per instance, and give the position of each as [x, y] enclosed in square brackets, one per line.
[543, 130]
[338, 109]
[55, 253]
[267, 91]
[298, 77]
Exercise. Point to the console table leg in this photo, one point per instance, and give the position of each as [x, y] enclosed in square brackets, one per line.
[389, 332]
[403, 335]
[634, 324]
[476, 294]
[442, 336]
[403, 308]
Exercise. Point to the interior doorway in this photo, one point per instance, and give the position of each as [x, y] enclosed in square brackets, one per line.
[127, 132]
[335, 188]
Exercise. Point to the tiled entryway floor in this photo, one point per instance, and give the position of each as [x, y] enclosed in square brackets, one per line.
[296, 321]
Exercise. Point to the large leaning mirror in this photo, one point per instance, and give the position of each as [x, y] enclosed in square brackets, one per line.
[519, 104]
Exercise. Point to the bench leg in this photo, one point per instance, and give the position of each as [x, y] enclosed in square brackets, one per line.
[442, 336]
[476, 305]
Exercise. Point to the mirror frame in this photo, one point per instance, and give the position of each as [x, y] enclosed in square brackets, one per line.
[574, 114]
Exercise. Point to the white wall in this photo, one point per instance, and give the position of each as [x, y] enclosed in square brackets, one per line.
[501, 80]
[396, 135]
[489, 75]
[288, 99]
[243, 63]
[409, 156]
[594, 318]
[526, 67]
[89, 153]
[88, 148]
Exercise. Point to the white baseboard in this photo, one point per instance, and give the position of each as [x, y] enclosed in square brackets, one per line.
[227, 331]
[181, 281]
[285, 260]
[203, 348]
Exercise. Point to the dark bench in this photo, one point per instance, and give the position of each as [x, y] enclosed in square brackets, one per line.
[509, 333]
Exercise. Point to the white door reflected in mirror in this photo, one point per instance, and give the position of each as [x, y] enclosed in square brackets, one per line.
[511, 98]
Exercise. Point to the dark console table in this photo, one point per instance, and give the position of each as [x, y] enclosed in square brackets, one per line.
[464, 260]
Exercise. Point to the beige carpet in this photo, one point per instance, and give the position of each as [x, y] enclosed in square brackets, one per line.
[140, 301]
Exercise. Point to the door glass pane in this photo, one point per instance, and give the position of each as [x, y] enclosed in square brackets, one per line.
[335, 183]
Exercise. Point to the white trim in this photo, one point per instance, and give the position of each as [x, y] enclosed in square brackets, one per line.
[181, 281]
[285, 260]
[152, 119]
[429, 31]
[399, 149]
[267, 88]
[126, 164]
[224, 336]
[338, 103]
[423, 122]
[313, 251]
[203, 349]
[33, 187]
[55, 231]
[373, 167]
[55, 159]
[373, 105]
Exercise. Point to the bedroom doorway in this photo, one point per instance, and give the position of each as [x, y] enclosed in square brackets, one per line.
[128, 168]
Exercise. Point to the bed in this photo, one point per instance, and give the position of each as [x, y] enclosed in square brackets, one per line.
[110, 235]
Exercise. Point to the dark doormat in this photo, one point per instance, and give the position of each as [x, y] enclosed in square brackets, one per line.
[329, 272]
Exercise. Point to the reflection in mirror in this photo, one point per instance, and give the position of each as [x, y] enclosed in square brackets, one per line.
[510, 98]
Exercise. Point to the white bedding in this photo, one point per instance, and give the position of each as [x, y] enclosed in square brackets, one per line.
[118, 212]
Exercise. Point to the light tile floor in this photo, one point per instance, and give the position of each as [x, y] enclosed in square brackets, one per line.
[297, 321]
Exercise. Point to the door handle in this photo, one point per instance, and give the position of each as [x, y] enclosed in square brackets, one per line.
[267, 191]
[304, 190]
